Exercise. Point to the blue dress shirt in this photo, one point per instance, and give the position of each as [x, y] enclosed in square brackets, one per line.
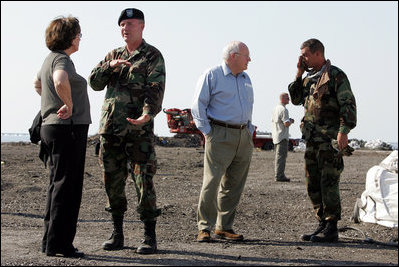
[224, 97]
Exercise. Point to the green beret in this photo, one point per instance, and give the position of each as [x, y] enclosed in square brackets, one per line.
[131, 13]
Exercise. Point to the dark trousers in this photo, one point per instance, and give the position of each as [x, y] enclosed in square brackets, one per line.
[66, 147]
[138, 151]
[323, 170]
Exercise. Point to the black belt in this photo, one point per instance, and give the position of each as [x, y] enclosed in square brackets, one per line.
[233, 126]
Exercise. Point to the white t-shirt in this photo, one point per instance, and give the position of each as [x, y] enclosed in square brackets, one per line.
[279, 130]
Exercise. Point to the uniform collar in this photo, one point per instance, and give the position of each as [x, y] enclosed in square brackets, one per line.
[139, 49]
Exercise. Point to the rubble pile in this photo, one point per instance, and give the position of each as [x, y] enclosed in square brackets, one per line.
[378, 145]
[179, 140]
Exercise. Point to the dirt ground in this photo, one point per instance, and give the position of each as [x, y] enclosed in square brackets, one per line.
[271, 216]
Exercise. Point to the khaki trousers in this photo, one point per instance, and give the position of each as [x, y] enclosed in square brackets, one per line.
[281, 150]
[227, 157]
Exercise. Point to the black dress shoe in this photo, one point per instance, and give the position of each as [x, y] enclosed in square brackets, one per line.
[73, 253]
[50, 253]
[283, 179]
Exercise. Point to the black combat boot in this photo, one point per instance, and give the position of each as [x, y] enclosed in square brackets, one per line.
[116, 240]
[149, 243]
[321, 227]
[330, 234]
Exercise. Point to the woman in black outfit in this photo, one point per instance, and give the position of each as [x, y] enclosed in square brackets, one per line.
[65, 111]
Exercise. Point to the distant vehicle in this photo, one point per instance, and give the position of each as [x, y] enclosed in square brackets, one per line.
[265, 142]
[181, 121]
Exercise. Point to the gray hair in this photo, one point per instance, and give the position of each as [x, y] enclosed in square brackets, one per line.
[231, 48]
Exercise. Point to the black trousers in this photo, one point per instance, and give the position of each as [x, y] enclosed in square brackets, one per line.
[66, 147]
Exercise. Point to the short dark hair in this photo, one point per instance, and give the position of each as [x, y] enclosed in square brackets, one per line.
[61, 32]
[314, 45]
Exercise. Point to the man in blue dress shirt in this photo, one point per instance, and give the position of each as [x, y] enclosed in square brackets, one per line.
[222, 111]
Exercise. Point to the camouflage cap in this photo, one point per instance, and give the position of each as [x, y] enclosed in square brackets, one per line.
[130, 13]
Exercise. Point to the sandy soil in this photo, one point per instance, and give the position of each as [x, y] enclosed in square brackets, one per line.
[271, 216]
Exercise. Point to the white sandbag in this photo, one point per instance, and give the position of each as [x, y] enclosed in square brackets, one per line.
[379, 202]
[391, 162]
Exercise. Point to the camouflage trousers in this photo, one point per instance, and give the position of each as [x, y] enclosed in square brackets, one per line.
[323, 169]
[134, 154]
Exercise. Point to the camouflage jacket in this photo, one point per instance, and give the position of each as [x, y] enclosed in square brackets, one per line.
[329, 103]
[132, 91]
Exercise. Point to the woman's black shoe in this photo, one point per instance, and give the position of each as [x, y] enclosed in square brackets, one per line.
[50, 253]
[73, 253]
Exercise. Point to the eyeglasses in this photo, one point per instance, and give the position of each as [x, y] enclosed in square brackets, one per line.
[247, 56]
[80, 35]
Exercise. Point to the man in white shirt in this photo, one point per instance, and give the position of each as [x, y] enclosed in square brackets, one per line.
[280, 123]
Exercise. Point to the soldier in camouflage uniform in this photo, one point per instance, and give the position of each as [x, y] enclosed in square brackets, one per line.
[330, 113]
[135, 80]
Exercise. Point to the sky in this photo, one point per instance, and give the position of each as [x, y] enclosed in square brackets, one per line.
[361, 38]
